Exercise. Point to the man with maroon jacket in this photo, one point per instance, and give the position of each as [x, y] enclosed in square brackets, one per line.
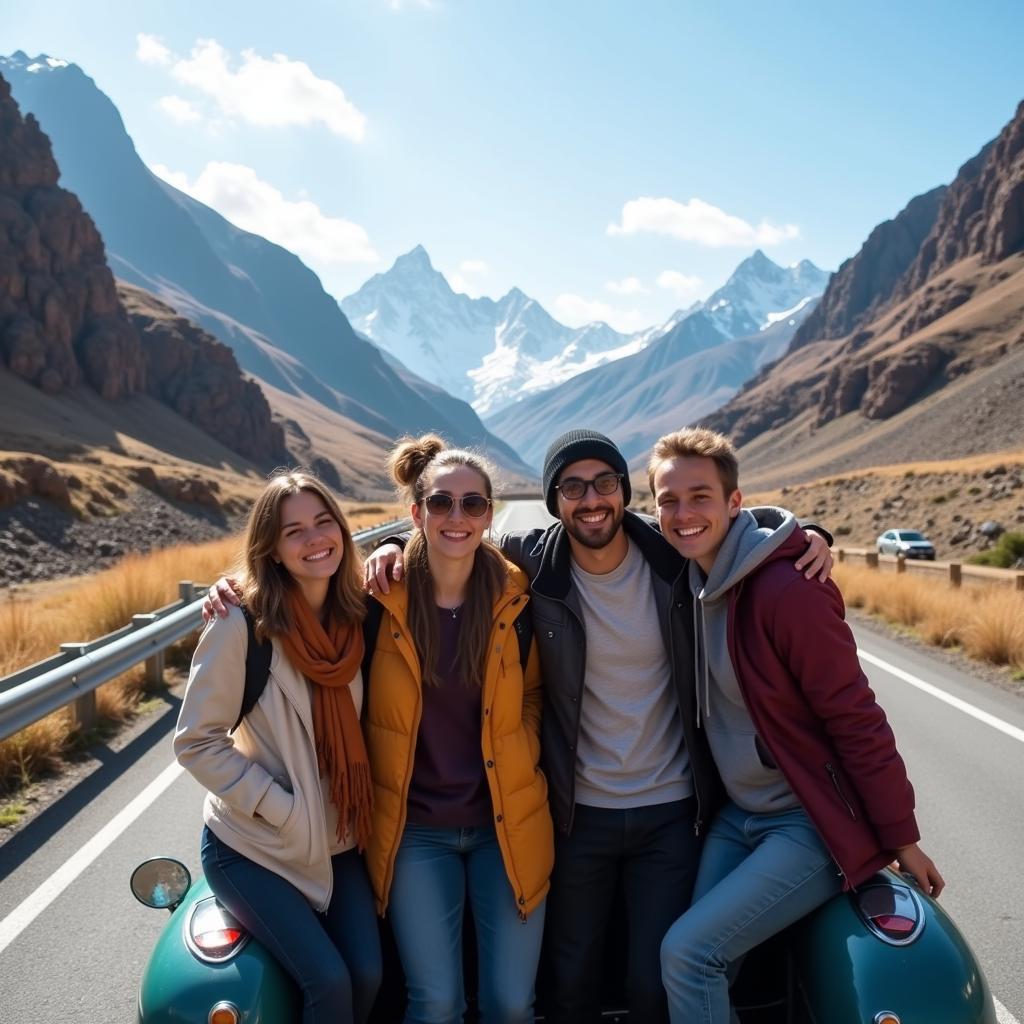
[817, 795]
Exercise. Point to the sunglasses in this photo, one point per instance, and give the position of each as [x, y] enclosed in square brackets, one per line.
[472, 505]
[574, 488]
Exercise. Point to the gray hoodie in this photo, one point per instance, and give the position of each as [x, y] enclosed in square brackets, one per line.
[744, 763]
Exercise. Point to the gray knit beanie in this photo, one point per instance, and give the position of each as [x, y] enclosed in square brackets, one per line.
[573, 446]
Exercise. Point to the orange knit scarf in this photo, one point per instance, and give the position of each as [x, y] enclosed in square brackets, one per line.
[330, 658]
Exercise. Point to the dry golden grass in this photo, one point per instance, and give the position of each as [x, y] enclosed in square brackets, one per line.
[987, 623]
[32, 628]
[995, 632]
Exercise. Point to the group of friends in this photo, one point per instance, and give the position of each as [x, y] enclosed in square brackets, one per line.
[669, 709]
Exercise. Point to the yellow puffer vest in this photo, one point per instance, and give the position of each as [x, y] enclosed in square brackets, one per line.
[509, 743]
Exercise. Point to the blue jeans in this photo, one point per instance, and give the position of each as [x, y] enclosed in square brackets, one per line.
[435, 869]
[334, 957]
[758, 874]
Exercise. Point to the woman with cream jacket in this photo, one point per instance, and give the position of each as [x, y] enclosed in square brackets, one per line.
[289, 801]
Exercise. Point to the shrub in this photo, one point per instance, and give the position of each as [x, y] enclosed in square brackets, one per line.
[1006, 553]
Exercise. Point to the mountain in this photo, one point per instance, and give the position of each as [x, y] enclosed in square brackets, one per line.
[916, 350]
[868, 279]
[64, 323]
[760, 292]
[686, 371]
[255, 296]
[484, 350]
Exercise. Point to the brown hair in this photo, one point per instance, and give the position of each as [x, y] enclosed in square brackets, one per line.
[412, 464]
[266, 581]
[698, 442]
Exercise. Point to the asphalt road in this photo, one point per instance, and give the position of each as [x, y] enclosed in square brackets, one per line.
[74, 951]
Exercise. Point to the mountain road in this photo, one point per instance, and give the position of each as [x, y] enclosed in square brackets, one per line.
[73, 941]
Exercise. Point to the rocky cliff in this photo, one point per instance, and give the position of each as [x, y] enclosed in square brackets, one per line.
[983, 213]
[64, 321]
[199, 378]
[865, 281]
[60, 319]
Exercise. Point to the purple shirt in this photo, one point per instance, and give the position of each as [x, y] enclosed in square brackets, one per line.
[449, 785]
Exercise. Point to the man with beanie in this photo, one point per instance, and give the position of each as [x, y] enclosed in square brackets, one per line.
[630, 779]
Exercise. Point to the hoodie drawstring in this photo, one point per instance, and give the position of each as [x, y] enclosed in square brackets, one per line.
[700, 658]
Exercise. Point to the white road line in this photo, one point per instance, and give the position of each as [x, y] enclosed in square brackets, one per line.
[1003, 1015]
[961, 705]
[32, 906]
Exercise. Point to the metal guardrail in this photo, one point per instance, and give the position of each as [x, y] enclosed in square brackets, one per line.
[73, 676]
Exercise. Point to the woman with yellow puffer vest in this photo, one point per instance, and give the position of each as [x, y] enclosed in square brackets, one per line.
[453, 735]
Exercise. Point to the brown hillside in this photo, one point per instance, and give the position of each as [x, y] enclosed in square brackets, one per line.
[932, 368]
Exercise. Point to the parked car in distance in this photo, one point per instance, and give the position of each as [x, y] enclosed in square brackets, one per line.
[909, 543]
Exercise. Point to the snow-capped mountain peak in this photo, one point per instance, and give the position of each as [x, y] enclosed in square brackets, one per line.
[760, 292]
[493, 352]
[484, 350]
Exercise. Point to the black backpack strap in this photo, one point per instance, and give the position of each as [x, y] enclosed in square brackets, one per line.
[371, 627]
[257, 668]
[524, 631]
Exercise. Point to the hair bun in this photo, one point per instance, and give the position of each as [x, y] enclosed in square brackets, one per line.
[412, 455]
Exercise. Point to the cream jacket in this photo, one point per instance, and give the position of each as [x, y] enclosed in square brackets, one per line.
[265, 798]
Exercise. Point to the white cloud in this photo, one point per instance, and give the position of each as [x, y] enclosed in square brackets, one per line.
[576, 311]
[267, 91]
[236, 192]
[151, 51]
[697, 221]
[179, 179]
[627, 286]
[178, 109]
[684, 286]
[460, 279]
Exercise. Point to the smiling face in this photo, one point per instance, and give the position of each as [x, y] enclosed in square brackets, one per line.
[693, 508]
[452, 534]
[594, 519]
[310, 543]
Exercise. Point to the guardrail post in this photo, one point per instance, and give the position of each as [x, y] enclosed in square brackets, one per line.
[187, 591]
[83, 709]
[901, 562]
[154, 663]
[871, 559]
[955, 575]
[840, 555]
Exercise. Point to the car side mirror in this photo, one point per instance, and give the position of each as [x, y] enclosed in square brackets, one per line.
[160, 883]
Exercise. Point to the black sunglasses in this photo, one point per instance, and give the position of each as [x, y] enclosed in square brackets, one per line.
[473, 505]
[574, 488]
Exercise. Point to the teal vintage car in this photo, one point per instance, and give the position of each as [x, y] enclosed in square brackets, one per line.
[885, 954]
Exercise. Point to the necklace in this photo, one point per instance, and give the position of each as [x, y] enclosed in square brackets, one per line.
[455, 611]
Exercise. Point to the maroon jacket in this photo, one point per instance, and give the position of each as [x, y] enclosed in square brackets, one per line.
[796, 663]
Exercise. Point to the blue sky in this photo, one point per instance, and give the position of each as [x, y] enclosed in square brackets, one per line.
[612, 159]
